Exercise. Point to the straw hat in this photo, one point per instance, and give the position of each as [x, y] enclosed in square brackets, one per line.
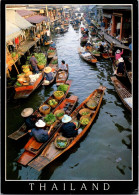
[66, 119]
[47, 69]
[118, 51]
[40, 123]
[27, 112]
[121, 59]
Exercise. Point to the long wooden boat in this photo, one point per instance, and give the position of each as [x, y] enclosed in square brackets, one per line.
[123, 93]
[129, 75]
[54, 67]
[95, 53]
[117, 74]
[50, 153]
[51, 54]
[23, 130]
[62, 76]
[33, 148]
[25, 90]
[90, 59]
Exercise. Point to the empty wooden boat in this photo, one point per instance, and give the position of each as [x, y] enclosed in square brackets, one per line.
[23, 130]
[86, 56]
[33, 148]
[51, 152]
[124, 94]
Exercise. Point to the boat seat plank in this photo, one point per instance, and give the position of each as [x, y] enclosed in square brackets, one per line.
[25, 158]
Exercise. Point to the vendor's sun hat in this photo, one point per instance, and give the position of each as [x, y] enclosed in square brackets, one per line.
[47, 69]
[40, 123]
[66, 119]
[121, 59]
[27, 112]
[118, 51]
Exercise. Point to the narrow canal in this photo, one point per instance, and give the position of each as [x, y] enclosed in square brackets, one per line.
[105, 151]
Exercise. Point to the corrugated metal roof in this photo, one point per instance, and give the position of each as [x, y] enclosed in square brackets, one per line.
[37, 19]
[25, 12]
[12, 31]
[16, 19]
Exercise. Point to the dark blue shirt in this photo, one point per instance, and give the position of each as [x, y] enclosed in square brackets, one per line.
[49, 76]
[39, 134]
[30, 123]
[68, 130]
[33, 61]
[120, 68]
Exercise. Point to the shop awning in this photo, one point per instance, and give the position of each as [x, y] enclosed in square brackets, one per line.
[16, 19]
[25, 12]
[36, 19]
[12, 31]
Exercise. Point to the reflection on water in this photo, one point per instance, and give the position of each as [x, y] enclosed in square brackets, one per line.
[94, 157]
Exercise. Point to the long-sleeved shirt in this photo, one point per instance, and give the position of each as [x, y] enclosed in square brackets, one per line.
[49, 76]
[63, 67]
[68, 130]
[40, 135]
[33, 61]
[118, 55]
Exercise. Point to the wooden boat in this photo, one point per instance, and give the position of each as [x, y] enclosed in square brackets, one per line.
[51, 152]
[54, 69]
[118, 75]
[47, 43]
[51, 54]
[76, 27]
[22, 131]
[129, 75]
[33, 148]
[90, 58]
[92, 51]
[62, 76]
[123, 92]
[25, 90]
[93, 33]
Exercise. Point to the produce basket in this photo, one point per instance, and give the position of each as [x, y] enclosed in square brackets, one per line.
[49, 119]
[59, 114]
[58, 95]
[84, 120]
[91, 104]
[21, 75]
[41, 66]
[53, 103]
[45, 109]
[85, 112]
[25, 70]
[61, 142]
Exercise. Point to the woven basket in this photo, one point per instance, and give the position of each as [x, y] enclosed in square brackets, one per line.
[59, 111]
[58, 97]
[84, 117]
[85, 110]
[44, 111]
[53, 106]
[41, 66]
[61, 138]
[91, 102]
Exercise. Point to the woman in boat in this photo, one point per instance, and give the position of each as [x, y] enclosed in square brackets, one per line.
[120, 68]
[39, 133]
[33, 63]
[30, 119]
[118, 54]
[63, 66]
[88, 44]
[48, 75]
[68, 128]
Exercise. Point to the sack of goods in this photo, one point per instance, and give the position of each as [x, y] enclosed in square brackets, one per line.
[33, 78]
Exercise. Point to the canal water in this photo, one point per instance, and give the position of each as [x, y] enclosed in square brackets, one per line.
[104, 153]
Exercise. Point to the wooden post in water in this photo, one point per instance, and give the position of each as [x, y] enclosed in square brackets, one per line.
[16, 68]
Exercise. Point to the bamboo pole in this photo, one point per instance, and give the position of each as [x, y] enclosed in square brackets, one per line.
[16, 69]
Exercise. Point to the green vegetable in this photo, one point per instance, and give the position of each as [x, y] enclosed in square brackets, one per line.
[50, 118]
[84, 121]
[85, 113]
[18, 84]
[52, 102]
[60, 114]
[13, 54]
[58, 93]
[63, 87]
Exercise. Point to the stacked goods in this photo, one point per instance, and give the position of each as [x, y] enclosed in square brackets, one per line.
[84, 120]
[33, 78]
[58, 95]
[54, 62]
[53, 103]
[59, 114]
[49, 119]
[9, 61]
[41, 59]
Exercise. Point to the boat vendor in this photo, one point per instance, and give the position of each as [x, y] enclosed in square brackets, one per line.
[88, 44]
[120, 68]
[44, 39]
[68, 128]
[33, 63]
[63, 66]
[39, 133]
[48, 75]
[53, 44]
[118, 54]
[101, 48]
[30, 119]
